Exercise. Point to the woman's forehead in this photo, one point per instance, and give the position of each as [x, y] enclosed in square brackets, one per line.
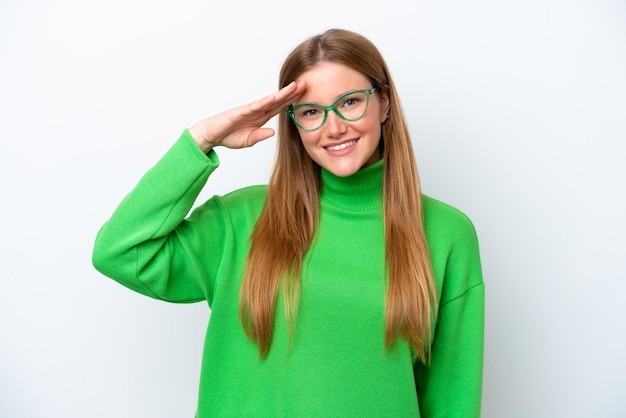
[327, 81]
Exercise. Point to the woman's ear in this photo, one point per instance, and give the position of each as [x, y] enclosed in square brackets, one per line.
[384, 105]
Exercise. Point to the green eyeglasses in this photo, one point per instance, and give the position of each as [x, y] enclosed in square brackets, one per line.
[350, 107]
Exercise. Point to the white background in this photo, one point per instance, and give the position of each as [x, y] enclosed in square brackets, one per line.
[518, 114]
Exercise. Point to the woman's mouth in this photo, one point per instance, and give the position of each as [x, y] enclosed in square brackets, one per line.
[342, 146]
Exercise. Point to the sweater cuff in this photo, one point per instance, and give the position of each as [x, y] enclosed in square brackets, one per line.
[195, 150]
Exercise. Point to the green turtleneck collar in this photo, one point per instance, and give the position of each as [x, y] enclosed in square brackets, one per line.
[360, 191]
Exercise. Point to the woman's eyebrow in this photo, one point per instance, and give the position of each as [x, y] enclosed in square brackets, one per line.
[334, 100]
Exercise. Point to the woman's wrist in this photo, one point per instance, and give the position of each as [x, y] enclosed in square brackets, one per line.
[196, 134]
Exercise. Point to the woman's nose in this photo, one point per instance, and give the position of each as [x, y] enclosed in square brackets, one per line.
[334, 126]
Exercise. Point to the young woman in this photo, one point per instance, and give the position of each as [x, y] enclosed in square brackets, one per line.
[338, 289]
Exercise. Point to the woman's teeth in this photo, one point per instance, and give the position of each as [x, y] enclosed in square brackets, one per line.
[341, 146]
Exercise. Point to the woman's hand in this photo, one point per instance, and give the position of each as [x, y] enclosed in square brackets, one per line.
[243, 126]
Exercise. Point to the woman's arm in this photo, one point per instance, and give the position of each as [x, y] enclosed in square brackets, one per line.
[139, 246]
[451, 386]
[142, 245]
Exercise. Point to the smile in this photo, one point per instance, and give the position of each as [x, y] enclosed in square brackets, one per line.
[342, 146]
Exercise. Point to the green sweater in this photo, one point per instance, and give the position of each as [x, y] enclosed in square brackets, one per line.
[337, 365]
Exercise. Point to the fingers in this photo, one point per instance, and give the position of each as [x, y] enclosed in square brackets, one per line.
[259, 135]
[274, 103]
[290, 92]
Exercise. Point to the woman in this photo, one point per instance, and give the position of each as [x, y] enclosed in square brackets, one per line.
[336, 290]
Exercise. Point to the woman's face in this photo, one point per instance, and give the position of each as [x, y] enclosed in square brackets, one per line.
[342, 147]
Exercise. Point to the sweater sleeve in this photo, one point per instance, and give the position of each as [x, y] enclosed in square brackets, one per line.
[451, 386]
[146, 244]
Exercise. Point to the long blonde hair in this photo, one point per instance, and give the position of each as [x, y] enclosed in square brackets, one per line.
[289, 220]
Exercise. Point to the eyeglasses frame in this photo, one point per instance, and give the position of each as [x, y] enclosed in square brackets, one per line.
[290, 110]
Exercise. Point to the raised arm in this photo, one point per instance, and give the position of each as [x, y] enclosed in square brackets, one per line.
[145, 245]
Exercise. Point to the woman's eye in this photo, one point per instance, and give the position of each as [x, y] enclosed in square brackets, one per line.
[310, 113]
[351, 101]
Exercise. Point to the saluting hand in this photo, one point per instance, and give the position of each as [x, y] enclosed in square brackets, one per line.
[243, 126]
